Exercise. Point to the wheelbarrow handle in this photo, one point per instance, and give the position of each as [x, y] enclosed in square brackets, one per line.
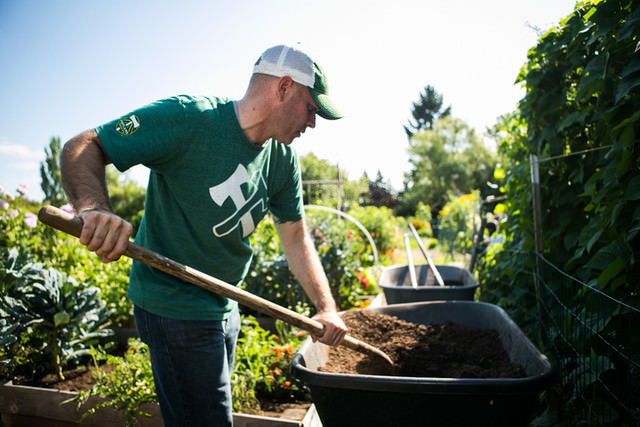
[72, 225]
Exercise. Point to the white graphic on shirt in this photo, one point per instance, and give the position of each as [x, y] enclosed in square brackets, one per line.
[231, 188]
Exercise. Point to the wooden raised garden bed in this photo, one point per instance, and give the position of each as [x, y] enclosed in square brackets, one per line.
[23, 406]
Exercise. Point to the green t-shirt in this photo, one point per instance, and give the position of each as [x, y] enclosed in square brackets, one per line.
[209, 186]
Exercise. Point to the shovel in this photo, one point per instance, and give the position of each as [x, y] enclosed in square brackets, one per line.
[72, 225]
[412, 268]
[436, 274]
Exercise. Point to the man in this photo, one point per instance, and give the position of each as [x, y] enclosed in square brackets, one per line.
[217, 167]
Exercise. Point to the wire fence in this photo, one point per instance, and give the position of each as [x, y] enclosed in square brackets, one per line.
[593, 342]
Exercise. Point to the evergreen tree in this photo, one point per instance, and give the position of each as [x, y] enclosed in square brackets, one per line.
[426, 111]
[51, 179]
[380, 193]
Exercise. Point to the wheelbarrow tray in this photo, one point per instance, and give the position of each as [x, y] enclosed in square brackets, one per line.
[374, 400]
[459, 284]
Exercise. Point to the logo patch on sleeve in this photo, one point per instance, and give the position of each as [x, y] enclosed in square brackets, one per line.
[128, 125]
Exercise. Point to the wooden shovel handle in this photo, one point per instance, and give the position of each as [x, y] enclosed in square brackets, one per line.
[72, 225]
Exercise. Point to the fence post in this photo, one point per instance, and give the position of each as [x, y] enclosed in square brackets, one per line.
[537, 225]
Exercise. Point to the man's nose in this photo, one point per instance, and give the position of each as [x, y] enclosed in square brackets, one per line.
[312, 121]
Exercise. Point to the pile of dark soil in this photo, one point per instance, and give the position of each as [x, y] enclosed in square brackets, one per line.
[448, 350]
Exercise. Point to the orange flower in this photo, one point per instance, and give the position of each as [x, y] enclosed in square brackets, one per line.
[287, 384]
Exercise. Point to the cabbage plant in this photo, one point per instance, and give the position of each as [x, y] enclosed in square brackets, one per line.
[53, 316]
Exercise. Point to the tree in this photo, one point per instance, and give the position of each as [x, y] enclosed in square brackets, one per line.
[380, 193]
[426, 111]
[318, 170]
[448, 160]
[51, 180]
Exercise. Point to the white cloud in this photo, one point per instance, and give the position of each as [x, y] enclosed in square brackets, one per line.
[25, 166]
[19, 151]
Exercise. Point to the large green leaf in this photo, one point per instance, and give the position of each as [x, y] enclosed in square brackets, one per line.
[614, 268]
[593, 76]
[630, 78]
[571, 119]
[607, 255]
[633, 189]
[628, 28]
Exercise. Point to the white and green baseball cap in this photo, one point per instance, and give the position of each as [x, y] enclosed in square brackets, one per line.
[282, 60]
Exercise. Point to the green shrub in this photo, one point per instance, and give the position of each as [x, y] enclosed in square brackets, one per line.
[422, 220]
[385, 228]
[19, 228]
[343, 252]
[127, 385]
[58, 317]
[262, 371]
[345, 255]
[263, 365]
[458, 221]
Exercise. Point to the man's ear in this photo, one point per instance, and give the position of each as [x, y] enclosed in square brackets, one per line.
[285, 84]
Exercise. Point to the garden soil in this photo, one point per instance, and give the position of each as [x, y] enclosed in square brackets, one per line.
[448, 350]
[80, 380]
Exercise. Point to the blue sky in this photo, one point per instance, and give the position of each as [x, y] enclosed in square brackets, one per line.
[67, 66]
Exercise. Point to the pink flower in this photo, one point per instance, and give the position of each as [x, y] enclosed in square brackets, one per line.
[30, 219]
[12, 213]
[4, 204]
[22, 189]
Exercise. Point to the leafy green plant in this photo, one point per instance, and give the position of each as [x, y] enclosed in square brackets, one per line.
[262, 367]
[261, 372]
[19, 228]
[422, 220]
[251, 349]
[278, 383]
[385, 228]
[126, 385]
[7, 331]
[459, 220]
[269, 275]
[580, 116]
[343, 252]
[60, 316]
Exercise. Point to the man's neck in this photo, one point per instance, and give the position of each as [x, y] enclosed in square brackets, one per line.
[251, 120]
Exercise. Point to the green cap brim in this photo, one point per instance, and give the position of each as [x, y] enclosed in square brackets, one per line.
[327, 109]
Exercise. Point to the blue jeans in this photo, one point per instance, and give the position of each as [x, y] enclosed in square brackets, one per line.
[192, 362]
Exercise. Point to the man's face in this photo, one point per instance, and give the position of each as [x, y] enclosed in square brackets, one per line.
[298, 112]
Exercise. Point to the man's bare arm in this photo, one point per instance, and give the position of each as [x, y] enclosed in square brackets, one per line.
[82, 165]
